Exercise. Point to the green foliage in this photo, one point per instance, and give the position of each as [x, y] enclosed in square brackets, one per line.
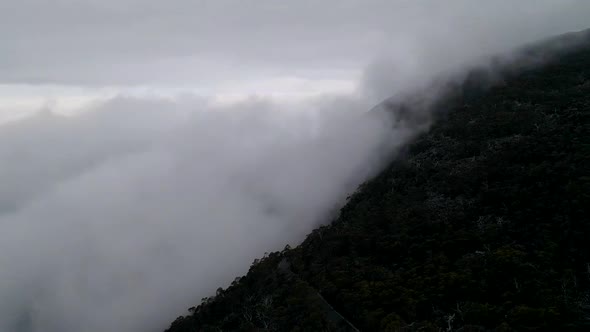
[483, 225]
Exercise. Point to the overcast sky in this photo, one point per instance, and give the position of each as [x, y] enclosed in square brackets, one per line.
[78, 49]
[203, 134]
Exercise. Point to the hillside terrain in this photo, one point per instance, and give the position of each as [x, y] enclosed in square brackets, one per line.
[481, 224]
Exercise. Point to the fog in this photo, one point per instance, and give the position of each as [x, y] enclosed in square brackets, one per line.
[123, 215]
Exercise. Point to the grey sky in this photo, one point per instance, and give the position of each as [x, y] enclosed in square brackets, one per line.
[122, 42]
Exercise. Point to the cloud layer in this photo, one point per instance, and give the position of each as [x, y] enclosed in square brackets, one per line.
[118, 225]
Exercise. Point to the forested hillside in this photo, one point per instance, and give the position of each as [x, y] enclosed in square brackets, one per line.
[481, 224]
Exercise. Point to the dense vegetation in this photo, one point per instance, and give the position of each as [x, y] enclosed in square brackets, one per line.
[481, 225]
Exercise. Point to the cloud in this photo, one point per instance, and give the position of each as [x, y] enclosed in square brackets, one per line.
[120, 225]
[124, 215]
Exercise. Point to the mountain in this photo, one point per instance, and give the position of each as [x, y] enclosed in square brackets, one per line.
[481, 224]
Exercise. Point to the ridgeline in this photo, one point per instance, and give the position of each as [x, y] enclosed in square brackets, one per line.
[481, 224]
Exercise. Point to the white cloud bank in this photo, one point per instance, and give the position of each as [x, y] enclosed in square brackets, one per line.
[117, 219]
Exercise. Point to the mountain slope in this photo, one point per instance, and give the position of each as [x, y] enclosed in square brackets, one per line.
[481, 225]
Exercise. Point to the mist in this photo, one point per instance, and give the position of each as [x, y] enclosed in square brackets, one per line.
[125, 214]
